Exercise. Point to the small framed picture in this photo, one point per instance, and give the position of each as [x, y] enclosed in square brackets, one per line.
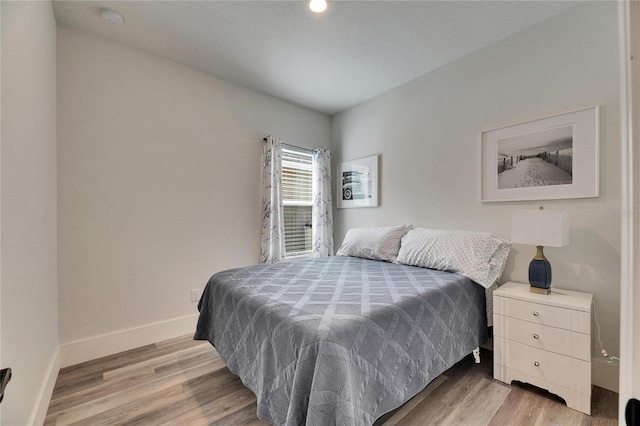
[357, 183]
[549, 158]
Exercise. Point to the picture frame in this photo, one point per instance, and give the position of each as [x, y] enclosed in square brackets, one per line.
[555, 157]
[357, 183]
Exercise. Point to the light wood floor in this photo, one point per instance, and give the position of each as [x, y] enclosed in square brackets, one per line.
[185, 382]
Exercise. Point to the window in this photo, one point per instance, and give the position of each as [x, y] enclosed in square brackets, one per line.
[297, 199]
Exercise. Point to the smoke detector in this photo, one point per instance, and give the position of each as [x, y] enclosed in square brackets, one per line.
[112, 17]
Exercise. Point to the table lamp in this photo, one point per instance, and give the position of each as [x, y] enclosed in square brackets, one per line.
[540, 228]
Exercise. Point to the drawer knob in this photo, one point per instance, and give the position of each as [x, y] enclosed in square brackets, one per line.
[535, 313]
[535, 336]
[536, 363]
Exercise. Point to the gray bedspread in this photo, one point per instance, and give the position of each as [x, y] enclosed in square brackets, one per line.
[339, 340]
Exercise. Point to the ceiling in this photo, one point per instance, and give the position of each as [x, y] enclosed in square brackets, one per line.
[327, 62]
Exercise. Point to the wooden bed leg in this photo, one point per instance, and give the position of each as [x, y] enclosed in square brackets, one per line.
[476, 355]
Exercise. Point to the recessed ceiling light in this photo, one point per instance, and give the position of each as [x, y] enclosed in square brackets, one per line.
[112, 17]
[318, 6]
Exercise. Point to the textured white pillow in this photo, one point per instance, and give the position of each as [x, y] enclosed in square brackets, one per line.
[479, 256]
[373, 243]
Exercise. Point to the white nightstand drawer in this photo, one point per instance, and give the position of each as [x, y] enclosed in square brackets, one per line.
[561, 370]
[544, 340]
[538, 313]
[547, 338]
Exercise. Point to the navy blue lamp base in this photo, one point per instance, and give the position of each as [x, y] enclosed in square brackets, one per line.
[540, 276]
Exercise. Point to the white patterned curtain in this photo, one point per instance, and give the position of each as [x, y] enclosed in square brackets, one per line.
[321, 216]
[272, 249]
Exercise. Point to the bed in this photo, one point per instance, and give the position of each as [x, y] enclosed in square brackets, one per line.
[339, 340]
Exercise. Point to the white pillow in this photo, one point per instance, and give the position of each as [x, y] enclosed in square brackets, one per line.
[373, 243]
[479, 256]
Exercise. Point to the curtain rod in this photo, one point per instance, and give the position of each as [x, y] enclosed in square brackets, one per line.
[295, 148]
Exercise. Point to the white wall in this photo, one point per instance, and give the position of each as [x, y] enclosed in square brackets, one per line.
[428, 134]
[29, 326]
[159, 181]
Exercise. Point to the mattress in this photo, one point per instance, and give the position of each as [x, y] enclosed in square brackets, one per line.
[339, 340]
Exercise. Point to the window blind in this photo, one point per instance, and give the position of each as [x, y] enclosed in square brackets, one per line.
[297, 199]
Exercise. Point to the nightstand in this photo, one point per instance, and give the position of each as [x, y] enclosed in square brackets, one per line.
[544, 340]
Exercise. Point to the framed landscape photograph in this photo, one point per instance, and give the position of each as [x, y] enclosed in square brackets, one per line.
[357, 183]
[549, 158]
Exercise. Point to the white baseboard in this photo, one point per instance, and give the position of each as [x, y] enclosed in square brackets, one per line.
[108, 344]
[605, 374]
[46, 390]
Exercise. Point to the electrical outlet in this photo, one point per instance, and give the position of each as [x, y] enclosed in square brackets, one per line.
[195, 294]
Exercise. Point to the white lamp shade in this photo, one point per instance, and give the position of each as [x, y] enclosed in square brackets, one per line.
[318, 6]
[548, 228]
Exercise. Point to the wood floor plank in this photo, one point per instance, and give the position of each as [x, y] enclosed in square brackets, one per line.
[480, 405]
[141, 390]
[604, 405]
[187, 340]
[397, 417]
[76, 399]
[155, 362]
[125, 413]
[194, 396]
[95, 367]
[80, 384]
[439, 404]
[246, 416]
[50, 420]
[219, 408]
[143, 353]
[206, 355]
[139, 375]
[182, 382]
[554, 413]
[518, 408]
